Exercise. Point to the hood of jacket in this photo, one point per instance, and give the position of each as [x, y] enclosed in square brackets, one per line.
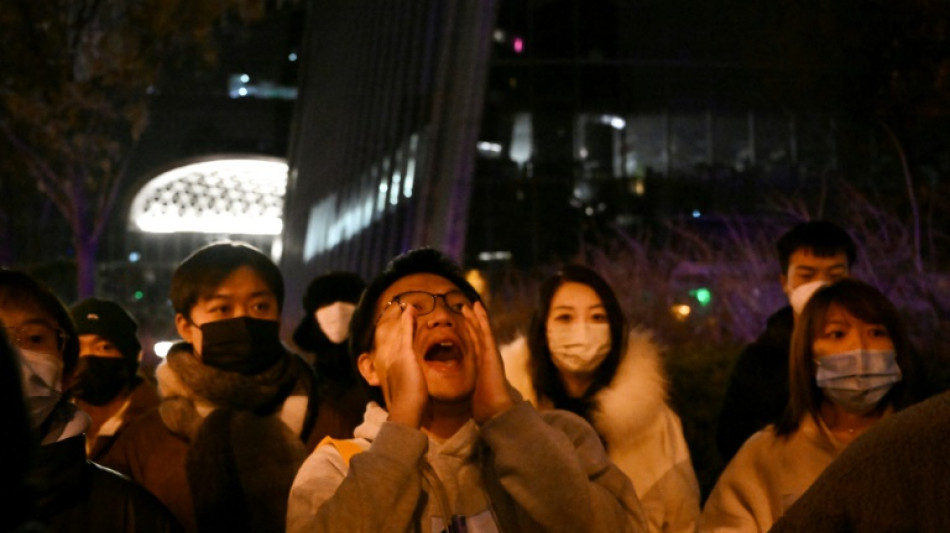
[632, 400]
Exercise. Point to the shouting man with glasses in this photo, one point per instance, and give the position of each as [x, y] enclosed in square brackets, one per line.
[448, 445]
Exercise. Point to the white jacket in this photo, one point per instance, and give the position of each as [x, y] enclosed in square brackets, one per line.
[643, 436]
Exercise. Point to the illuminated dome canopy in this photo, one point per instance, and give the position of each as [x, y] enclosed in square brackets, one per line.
[220, 195]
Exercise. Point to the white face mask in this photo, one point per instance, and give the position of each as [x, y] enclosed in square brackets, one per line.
[42, 375]
[858, 379]
[801, 294]
[334, 320]
[578, 348]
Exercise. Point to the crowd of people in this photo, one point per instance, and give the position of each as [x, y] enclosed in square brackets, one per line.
[392, 408]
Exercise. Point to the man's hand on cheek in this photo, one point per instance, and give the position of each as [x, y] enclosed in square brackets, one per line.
[492, 395]
[403, 382]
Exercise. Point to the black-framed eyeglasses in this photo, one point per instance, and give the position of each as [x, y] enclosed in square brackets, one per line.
[38, 337]
[424, 302]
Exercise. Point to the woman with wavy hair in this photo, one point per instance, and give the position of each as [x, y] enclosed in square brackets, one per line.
[581, 356]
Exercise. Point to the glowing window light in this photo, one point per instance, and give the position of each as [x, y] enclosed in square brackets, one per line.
[381, 201]
[518, 45]
[397, 180]
[218, 196]
[410, 177]
[680, 312]
[409, 182]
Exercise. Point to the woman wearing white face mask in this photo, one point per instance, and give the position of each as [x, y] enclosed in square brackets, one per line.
[850, 365]
[579, 356]
[69, 493]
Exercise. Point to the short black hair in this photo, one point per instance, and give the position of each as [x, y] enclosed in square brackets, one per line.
[205, 269]
[19, 289]
[822, 237]
[418, 261]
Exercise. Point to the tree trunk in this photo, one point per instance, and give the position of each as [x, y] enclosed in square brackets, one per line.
[86, 250]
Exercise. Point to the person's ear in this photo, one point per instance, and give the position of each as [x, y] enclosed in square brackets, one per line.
[366, 363]
[783, 279]
[184, 327]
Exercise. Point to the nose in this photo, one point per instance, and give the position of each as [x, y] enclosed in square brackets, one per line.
[440, 315]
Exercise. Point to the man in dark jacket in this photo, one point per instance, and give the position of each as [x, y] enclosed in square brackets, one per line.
[237, 408]
[106, 384]
[53, 484]
[757, 393]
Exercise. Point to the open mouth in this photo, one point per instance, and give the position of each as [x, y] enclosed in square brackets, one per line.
[445, 351]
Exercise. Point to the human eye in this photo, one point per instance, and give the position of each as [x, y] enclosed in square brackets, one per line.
[563, 317]
[457, 301]
[37, 337]
[105, 347]
[878, 331]
[420, 301]
[598, 317]
[833, 332]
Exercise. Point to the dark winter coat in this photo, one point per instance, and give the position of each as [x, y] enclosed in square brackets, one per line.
[893, 478]
[222, 449]
[757, 392]
[73, 494]
[142, 399]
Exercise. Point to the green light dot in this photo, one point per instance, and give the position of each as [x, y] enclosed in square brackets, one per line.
[138, 295]
[702, 295]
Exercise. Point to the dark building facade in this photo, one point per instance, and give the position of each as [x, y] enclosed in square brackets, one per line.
[382, 139]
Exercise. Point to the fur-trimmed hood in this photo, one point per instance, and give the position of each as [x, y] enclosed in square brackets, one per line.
[643, 436]
[632, 401]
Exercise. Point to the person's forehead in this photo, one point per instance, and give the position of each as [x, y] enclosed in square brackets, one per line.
[574, 294]
[242, 281]
[90, 338]
[28, 314]
[433, 283]
[807, 257]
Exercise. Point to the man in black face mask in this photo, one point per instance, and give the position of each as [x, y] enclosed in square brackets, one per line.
[105, 383]
[222, 448]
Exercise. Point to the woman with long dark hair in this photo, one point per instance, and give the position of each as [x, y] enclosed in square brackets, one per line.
[850, 364]
[581, 356]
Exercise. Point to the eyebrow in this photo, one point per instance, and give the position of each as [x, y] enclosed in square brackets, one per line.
[571, 307]
[39, 321]
[227, 296]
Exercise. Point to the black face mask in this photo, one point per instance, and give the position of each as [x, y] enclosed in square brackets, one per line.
[100, 379]
[242, 344]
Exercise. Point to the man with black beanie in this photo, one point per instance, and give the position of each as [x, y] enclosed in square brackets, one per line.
[106, 384]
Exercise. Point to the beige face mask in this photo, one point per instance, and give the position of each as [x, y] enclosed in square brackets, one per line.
[334, 320]
[578, 348]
